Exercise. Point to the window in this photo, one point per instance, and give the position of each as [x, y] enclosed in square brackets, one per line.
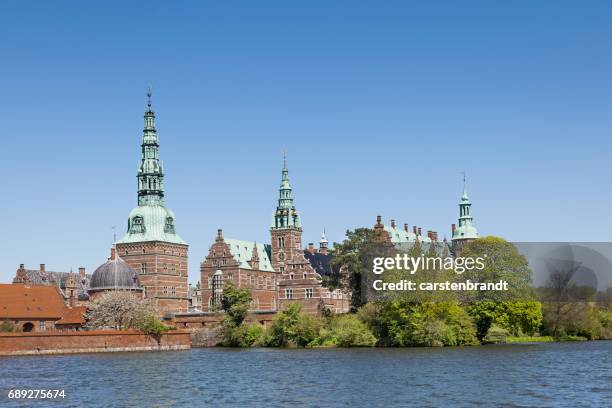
[230, 277]
[143, 268]
[282, 268]
[42, 325]
[289, 293]
[173, 291]
[126, 251]
[137, 225]
[308, 293]
[169, 227]
[165, 290]
[281, 242]
[290, 276]
[305, 275]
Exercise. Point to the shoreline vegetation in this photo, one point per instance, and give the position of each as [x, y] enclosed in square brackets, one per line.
[560, 311]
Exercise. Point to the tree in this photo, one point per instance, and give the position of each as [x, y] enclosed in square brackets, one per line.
[119, 310]
[235, 302]
[291, 328]
[515, 309]
[352, 255]
[502, 261]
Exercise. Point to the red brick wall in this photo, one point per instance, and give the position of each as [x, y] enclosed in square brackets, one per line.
[89, 342]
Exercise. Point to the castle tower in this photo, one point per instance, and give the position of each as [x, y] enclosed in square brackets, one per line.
[323, 243]
[70, 290]
[465, 231]
[151, 245]
[286, 229]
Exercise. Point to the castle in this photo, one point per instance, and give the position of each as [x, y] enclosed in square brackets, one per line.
[276, 273]
[151, 259]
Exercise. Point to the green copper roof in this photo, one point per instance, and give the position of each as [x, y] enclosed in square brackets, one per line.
[150, 171]
[404, 240]
[151, 223]
[465, 229]
[151, 220]
[242, 251]
[286, 216]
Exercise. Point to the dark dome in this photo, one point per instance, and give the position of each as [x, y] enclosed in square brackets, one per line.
[114, 274]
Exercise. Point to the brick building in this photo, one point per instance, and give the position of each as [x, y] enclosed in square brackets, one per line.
[403, 239]
[72, 286]
[151, 245]
[38, 308]
[277, 273]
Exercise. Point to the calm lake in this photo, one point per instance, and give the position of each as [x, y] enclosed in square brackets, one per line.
[526, 375]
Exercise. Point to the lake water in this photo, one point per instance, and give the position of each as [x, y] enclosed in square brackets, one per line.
[526, 375]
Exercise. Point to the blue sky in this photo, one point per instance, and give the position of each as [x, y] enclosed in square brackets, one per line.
[380, 106]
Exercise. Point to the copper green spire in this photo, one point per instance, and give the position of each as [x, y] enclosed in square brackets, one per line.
[151, 220]
[465, 229]
[286, 216]
[150, 171]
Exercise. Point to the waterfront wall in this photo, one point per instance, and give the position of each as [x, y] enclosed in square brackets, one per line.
[99, 341]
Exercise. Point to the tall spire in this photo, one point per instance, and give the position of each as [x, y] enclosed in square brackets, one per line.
[465, 228]
[150, 171]
[286, 215]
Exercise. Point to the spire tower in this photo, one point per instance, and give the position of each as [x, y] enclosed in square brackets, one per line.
[150, 171]
[465, 230]
[286, 216]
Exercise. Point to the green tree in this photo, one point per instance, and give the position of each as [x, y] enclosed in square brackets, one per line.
[345, 331]
[502, 261]
[354, 256]
[517, 318]
[290, 328]
[235, 302]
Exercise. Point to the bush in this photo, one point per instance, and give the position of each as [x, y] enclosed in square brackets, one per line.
[154, 326]
[495, 334]
[345, 331]
[290, 328]
[245, 335]
[8, 327]
[399, 323]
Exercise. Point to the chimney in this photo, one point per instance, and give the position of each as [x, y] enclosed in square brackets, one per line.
[414, 229]
[112, 257]
[82, 272]
[378, 220]
[429, 234]
[219, 235]
[311, 248]
[434, 236]
[419, 230]
[453, 227]
[406, 227]
[21, 266]
[392, 223]
[42, 267]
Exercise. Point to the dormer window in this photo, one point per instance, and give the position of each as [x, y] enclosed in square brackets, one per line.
[169, 228]
[137, 226]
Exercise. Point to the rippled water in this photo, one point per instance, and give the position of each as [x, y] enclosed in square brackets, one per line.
[553, 374]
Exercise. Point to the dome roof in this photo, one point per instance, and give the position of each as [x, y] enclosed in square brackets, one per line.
[151, 222]
[114, 274]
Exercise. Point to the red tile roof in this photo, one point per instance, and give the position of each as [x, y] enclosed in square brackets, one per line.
[30, 302]
[73, 315]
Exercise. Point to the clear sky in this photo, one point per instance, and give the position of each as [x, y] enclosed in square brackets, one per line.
[380, 106]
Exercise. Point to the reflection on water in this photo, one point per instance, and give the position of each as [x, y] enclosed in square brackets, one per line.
[554, 374]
